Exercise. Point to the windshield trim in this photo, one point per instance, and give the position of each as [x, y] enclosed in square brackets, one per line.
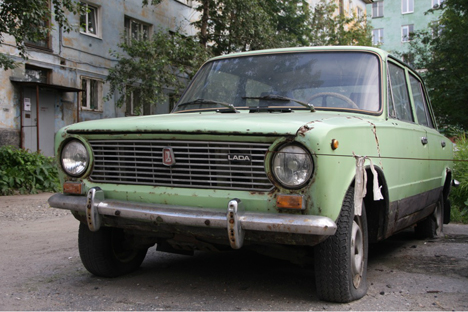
[381, 86]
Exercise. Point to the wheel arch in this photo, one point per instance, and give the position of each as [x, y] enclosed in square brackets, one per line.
[377, 211]
[447, 184]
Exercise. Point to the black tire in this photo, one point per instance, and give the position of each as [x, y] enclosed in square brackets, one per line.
[447, 209]
[104, 253]
[341, 260]
[432, 226]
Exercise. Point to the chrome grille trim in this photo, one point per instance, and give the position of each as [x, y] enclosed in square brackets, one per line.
[199, 164]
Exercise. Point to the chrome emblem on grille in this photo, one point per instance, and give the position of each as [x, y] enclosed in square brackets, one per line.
[168, 157]
[239, 158]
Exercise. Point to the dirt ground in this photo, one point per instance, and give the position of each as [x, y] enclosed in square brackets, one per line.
[40, 269]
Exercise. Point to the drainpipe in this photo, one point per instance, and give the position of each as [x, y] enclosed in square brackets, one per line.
[37, 116]
[21, 117]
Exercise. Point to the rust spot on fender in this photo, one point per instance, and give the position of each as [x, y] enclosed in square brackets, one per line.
[305, 128]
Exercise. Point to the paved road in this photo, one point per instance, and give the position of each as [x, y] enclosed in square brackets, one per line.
[41, 270]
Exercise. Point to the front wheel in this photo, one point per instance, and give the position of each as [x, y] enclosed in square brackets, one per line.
[341, 260]
[108, 252]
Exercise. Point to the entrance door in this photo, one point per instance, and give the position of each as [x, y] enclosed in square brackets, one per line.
[46, 121]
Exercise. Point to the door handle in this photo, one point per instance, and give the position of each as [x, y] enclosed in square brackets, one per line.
[424, 140]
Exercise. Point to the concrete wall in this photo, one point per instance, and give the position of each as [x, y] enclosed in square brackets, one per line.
[75, 55]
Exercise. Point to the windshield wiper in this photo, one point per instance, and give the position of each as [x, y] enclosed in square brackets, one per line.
[203, 101]
[280, 98]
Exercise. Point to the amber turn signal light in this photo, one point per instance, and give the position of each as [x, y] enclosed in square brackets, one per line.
[334, 144]
[290, 202]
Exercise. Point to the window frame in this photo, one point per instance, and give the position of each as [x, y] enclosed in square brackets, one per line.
[46, 41]
[381, 36]
[408, 4]
[128, 20]
[97, 17]
[410, 30]
[378, 8]
[130, 103]
[86, 94]
[391, 95]
[425, 101]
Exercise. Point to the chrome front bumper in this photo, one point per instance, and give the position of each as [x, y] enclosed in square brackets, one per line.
[235, 219]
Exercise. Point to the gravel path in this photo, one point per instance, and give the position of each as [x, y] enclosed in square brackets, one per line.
[40, 269]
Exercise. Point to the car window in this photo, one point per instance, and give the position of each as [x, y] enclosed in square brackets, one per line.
[422, 112]
[399, 93]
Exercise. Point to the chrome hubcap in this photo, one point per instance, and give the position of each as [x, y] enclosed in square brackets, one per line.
[357, 252]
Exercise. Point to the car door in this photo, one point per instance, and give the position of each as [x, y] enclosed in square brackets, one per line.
[438, 145]
[409, 175]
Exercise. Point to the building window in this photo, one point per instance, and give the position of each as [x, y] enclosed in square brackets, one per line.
[407, 6]
[91, 95]
[36, 74]
[377, 9]
[136, 30]
[377, 36]
[406, 32]
[437, 3]
[133, 103]
[90, 21]
[41, 43]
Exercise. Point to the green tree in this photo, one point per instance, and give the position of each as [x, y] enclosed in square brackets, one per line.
[225, 26]
[327, 28]
[232, 26]
[441, 53]
[32, 20]
[165, 61]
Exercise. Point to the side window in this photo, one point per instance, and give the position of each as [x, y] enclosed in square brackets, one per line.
[420, 103]
[399, 93]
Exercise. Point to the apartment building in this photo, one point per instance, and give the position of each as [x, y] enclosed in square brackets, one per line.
[394, 21]
[63, 81]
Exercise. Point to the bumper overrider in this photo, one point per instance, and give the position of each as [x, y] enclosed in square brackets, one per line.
[235, 220]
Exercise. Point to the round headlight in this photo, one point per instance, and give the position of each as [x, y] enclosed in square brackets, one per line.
[75, 158]
[292, 166]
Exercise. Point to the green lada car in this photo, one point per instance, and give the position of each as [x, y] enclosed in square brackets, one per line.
[301, 151]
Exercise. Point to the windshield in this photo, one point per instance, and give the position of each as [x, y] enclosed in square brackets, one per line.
[327, 80]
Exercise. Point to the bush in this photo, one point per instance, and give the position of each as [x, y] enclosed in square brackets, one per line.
[459, 195]
[26, 173]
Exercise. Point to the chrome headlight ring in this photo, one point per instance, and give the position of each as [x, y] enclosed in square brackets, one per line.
[74, 158]
[292, 166]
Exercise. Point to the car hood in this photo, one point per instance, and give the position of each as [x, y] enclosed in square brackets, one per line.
[214, 123]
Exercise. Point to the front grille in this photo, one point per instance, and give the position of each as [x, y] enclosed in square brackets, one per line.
[198, 164]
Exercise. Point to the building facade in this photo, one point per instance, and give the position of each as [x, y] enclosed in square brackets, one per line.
[394, 21]
[347, 7]
[63, 80]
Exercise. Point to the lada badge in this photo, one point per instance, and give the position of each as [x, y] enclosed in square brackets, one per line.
[239, 158]
[168, 157]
